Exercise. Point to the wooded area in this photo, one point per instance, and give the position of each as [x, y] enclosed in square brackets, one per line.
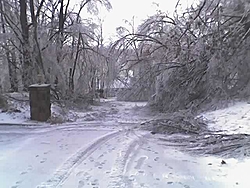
[194, 60]
[49, 42]
[191, 60]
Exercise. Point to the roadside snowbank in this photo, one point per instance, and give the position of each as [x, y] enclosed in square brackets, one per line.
[232, 120]
[18, 112]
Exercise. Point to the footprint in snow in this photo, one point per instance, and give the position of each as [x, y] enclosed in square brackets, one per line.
[119, 140]
[87, 178]
[14, 186]
[86, 174]
[95, 182]
[184, 185]
[29, 168]
[43, 161]
[17, 184]
[46, 143]
[45, 153]
[97, 164]
[81, 184]
[141, 171]
[104, 162]
[101, 156]
[131, 178]
[100, 148]
[156, 159]
[140, 162]
[79, 173]
[22, 173]
[91, 159]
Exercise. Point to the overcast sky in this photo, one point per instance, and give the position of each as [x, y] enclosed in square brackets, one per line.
[139, 9]
[126, 9]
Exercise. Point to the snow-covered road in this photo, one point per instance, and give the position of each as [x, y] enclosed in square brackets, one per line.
[78, 156]
[104, 148]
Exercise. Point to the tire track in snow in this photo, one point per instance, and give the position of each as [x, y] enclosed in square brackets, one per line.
[141, 140]
[65, 170]
[124, 160]
[32, 130]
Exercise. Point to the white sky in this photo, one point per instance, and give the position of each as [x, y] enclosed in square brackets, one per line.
[139, 9]
[126, 9]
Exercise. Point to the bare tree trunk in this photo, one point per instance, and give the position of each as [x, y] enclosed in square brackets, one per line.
[63, 13]
[60, 38]
[37, 50]
[61, 18]
[11, 63]
[72, 85]
[27, 63]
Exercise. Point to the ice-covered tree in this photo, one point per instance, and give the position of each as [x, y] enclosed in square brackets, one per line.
[50, 38]
[197, 57]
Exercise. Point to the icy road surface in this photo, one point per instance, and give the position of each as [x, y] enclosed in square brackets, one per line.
[77, 156]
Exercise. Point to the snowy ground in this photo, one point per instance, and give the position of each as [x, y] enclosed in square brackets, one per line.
[231, 120]
[102, 149]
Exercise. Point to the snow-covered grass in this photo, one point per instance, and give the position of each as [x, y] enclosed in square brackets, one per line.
[18, 112]
[227, 133]
[232, 120]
